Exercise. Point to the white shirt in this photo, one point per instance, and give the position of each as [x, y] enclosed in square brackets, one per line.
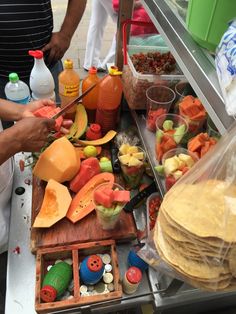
[6, 183]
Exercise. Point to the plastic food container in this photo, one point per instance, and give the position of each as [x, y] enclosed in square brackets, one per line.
[135, 84]
[152, 213]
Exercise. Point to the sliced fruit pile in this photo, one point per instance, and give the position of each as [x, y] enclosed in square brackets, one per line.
[201, 144]
[152, 116]
[174, 168]
[131, 156]
[153, 208]
[193, 111]
[110, 201]
[168, 137]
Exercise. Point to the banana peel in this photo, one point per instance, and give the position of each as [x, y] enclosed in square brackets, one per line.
[101, 141]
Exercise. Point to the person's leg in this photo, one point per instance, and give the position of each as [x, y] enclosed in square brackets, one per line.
[97, 25]
[110, 57]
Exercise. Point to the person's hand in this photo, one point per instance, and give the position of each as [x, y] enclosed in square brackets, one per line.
[32, 133]
[28, 110]
[56, 47]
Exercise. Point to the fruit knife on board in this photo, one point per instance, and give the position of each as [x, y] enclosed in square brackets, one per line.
[140, 196]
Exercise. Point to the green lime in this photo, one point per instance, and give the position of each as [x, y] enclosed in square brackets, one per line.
[90, 151]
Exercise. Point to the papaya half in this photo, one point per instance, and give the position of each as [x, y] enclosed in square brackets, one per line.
[105, 139]
[82, 204]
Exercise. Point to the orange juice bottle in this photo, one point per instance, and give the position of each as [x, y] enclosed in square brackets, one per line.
[109, 98]
[69, 82]
[90, 101]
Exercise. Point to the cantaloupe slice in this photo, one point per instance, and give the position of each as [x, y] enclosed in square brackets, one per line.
[55, 205]
[59, 162]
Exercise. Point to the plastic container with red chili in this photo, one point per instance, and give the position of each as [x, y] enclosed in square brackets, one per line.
[153, 204]
[147, 66]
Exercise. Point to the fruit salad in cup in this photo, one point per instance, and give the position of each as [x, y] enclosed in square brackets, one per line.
[171, 129]
[109, 201]
[175, 163]
[132, 161]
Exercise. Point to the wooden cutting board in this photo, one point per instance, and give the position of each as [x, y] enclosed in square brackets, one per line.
[64, 232]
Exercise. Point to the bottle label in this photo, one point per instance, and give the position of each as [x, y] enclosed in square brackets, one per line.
[69, 90]
[107, 119]
[23, 101]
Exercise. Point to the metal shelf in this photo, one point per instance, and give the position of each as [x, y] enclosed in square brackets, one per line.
[196, 63]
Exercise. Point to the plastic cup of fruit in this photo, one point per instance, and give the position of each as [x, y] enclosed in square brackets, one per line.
[108, 217]
[159, 100]
[133, 173]
[171, 129]
[212, 130]
[175, 168]
[182, 89]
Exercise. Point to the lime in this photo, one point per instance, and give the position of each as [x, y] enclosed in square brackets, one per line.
[90, 151]
[103, 159]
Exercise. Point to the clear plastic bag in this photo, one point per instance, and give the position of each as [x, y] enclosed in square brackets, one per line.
[194, 237]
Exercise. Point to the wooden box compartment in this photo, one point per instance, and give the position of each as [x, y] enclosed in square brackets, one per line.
[76, 252]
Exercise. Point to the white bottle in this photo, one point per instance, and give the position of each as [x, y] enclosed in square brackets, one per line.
[41, 80]
[16, 90]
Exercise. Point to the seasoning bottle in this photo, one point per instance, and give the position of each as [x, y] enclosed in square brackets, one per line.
[41, 80]
[93, 132]
[90, 101]
[131, 280]
[56, 281]
[69, 82]
[91, 269]
[109, 98]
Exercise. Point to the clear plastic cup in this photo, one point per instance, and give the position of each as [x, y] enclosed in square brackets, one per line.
[108, 217]
[172, 178]
[182, 89]
[212, 130]
[159, 101]
[169, 136]
[133, 174]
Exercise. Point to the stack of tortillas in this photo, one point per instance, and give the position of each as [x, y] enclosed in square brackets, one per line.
[196, 233]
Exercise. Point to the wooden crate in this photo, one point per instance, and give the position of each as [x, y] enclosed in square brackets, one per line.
[77, 252]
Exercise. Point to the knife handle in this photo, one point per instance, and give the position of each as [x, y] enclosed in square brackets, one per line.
[140, 196]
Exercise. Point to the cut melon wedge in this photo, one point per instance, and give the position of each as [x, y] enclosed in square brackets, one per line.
[55, 205]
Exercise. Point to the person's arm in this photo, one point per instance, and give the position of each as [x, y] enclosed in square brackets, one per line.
[60, 41]
[29, 135]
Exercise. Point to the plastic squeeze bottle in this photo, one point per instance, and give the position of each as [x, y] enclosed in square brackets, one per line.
[69, 82]
[90, 101]
[17, 90]
[41, 80]
[56, 281]
[109, 98]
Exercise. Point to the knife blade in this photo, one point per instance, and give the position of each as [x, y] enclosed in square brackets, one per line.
[74, 102]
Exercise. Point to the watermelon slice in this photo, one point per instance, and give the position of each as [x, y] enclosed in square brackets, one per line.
[121, 196]
[102, 198]
[88, 169]
[49, 112]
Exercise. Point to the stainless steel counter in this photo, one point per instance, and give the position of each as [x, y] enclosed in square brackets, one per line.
[21, 267]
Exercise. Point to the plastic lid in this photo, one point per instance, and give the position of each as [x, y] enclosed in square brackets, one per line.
[113, 70]
[38, 54]
[92, 70]
[48, 294]
[96, 128]
[94, 263]
[134, 275]
[68, 64]
[13, 77]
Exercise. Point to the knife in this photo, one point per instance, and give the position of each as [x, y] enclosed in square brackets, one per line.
[74, 102]
[140, 196]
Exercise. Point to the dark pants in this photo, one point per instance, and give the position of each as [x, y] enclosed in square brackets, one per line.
[3, 272]
[55, 70]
